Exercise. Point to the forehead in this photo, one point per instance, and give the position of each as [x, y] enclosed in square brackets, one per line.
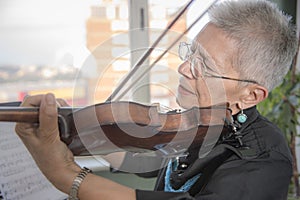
[214, 43]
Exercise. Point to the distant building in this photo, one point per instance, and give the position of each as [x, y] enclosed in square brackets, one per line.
[107, 39]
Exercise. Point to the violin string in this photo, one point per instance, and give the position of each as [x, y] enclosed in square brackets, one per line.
[146, 55]
[162, 55]
[167, 108]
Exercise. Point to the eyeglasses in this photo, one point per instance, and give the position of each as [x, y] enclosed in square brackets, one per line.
[200, 66]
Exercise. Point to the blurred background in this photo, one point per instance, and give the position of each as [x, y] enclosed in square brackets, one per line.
[80, 50]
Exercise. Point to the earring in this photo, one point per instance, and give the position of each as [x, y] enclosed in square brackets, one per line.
[242, 118]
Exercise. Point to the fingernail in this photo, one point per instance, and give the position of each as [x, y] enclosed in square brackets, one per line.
[50, 99]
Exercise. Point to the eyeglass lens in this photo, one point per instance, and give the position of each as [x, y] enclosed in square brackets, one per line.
[184, 51]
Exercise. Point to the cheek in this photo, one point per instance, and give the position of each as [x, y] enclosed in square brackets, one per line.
[187, 101]
[211, 92]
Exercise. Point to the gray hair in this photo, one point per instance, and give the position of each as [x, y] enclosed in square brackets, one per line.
[266, 39]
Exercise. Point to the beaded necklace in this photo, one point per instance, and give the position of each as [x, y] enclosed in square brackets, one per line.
[184, 188]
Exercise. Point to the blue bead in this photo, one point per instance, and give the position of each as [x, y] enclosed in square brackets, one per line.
[242, 118]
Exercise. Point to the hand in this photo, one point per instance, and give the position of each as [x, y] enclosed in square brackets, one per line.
[54, 158]
[62, 103]
[42, 140]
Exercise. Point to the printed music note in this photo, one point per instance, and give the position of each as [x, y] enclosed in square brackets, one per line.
[20, 178]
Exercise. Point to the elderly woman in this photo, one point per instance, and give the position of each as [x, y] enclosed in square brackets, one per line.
[238, 57]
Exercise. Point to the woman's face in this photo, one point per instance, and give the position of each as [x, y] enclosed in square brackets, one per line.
[213, 49]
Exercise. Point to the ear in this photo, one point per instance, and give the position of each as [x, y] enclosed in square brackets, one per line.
[253, 95]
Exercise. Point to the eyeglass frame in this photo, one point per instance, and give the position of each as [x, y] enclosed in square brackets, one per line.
[188, 57]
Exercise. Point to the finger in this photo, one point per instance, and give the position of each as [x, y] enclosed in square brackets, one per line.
[48, 117]
[27, 133]
[25, 129]
[32, 101]
[62, 102]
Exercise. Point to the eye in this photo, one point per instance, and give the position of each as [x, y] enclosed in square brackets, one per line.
[210, 68]
[193, 48]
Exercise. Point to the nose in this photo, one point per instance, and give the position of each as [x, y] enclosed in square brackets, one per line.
[185, 70]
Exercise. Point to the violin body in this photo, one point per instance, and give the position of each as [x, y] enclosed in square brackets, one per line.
[127, 126]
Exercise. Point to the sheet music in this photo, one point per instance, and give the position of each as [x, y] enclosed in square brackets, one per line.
[20, 178]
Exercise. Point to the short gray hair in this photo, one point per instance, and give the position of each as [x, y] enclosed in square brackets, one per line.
[266, 39]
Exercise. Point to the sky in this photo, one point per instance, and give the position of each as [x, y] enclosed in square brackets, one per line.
[43, 32]
[39, 32]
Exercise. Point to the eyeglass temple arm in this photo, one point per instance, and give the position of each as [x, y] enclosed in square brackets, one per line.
[234, 79]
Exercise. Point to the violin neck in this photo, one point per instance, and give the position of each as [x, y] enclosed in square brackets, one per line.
[19, 114]
[28, 114]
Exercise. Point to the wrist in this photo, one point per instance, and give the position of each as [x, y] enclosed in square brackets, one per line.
[63, 179]
[73, 194]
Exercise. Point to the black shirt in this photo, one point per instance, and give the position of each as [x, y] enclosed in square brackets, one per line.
[264, 176]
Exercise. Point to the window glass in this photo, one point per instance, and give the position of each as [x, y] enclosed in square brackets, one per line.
[79, 50]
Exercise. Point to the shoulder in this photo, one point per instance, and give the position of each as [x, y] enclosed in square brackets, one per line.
[267, 139]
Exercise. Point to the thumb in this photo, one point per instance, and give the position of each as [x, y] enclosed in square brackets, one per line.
[48, 117]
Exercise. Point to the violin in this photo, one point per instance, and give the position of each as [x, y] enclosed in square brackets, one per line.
[128, 126]
[122, 125]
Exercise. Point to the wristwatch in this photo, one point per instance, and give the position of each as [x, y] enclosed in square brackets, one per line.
[73, 195]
